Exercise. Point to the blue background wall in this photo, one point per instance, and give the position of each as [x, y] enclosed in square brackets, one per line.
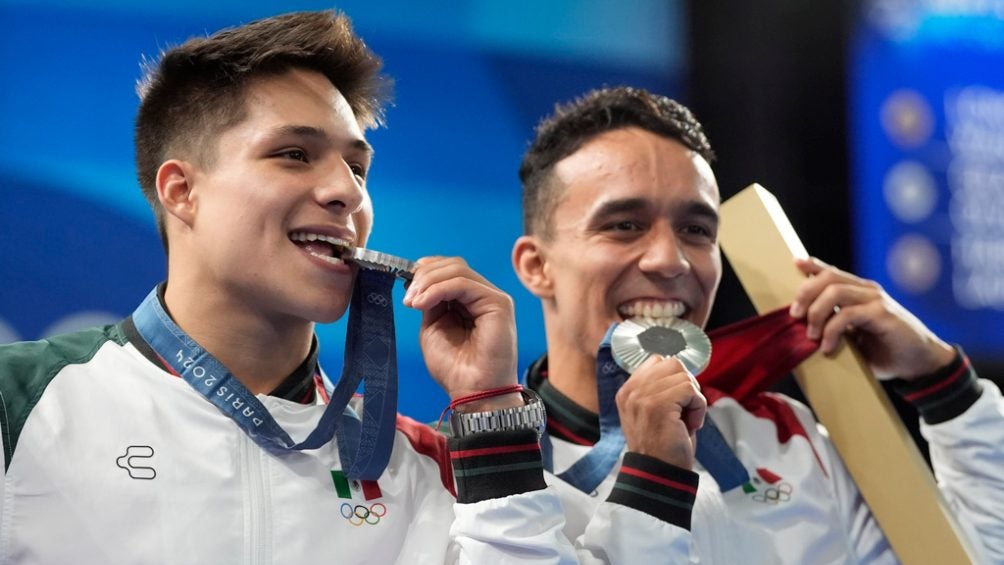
[472, 79]
[927, 107]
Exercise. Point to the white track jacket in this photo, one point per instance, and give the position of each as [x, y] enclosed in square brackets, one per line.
[111, 460]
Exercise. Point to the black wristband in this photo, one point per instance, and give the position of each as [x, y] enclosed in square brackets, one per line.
[656, 488]
[945, 393]
[496, 464]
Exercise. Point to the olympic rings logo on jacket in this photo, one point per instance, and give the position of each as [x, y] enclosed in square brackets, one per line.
[361, 514]
[775, 494]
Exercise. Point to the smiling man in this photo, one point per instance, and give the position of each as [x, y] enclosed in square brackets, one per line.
[201, 429]
[621, 220]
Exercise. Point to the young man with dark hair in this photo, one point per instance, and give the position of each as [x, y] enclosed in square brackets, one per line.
[201, 429]
[621, 222]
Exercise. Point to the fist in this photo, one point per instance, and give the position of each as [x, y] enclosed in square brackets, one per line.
[468, 332]
[661, 408]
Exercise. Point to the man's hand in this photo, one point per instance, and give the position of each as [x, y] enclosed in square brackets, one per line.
[468, 331]
[893, 341]
[661, 408]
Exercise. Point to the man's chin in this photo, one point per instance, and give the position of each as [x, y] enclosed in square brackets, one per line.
[325, 312]
[326, 320]
[328, 316]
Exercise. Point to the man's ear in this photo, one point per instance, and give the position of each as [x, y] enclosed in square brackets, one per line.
[175, 190]
[529, 259]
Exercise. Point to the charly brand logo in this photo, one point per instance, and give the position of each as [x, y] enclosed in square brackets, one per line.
[376, 298]
[360, 513]
[133, 462]
[768, 487]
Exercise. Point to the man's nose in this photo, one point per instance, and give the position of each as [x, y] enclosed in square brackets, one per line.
[340, 190]
[663, 254]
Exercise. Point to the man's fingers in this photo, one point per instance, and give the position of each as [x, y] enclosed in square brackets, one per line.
[694, 415]
[430, 270]
[478, 298]
[869, 317]
[833, 300]
[821, 277]
[446, 279]
[658, 364]
[665, 383]
[810, 266]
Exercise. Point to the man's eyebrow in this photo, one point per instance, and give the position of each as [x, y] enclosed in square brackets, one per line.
[619, 206]
[321, 135]
[690, 208]
[363, 145]
[701, 209]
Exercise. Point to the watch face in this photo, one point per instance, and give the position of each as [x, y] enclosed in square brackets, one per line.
[635, 340]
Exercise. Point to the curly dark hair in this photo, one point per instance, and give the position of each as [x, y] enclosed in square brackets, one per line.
[573, 124]
[197, 90]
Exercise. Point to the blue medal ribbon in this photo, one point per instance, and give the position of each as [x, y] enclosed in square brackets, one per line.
[370, 358]
[713, 453]
[588, 472]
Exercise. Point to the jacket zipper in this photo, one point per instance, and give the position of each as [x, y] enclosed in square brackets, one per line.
[256, 511]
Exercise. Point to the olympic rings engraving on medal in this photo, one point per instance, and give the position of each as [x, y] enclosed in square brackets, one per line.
[377, 299]
[361, 514]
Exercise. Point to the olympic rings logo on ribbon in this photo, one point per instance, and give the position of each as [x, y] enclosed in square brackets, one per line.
[359, 514]
[775, 495]
[377, 299]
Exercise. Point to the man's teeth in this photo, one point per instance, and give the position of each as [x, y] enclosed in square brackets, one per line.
[338, 245]
[332, 260]
[653, 310]
[305, 236]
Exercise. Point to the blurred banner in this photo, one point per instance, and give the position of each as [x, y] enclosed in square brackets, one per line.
[927, 84]
[472, 79]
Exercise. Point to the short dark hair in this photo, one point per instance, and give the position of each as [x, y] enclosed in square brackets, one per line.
[197, 90]
[573, 124]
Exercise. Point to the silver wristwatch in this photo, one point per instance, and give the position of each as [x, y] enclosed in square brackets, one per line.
[530, 416]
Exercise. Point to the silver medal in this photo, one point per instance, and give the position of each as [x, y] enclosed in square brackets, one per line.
[377, 261]
[635, 340]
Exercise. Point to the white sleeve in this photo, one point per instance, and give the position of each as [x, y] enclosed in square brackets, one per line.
[621, 534]
[520, 528]
[614, 532]
[527, 528]
[967, 453]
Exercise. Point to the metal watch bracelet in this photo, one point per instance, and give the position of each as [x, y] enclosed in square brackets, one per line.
[530, 416]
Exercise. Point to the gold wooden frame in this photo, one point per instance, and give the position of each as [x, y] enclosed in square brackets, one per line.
[760, 243]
